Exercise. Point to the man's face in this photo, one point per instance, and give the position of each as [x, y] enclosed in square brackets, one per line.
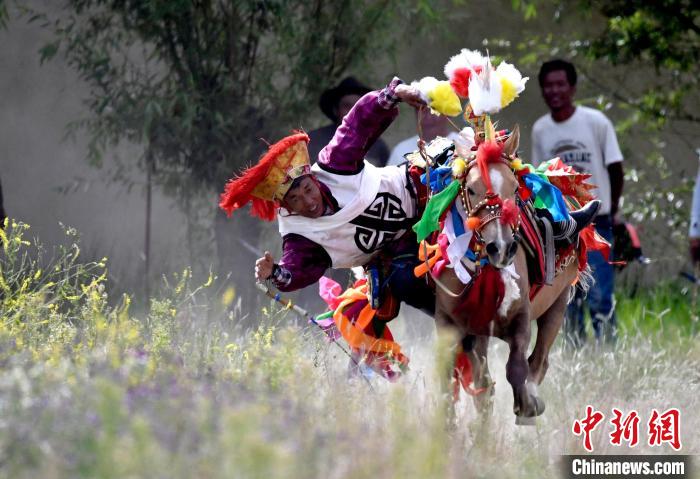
[556, 90]
[436, 122]
[345, 105]
[305, 199]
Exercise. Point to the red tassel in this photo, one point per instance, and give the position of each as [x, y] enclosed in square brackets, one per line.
[488, 152]
[266, 210]
[237, 192]
[525, 194]
[463, 376]
[594, 242]
[483, 299]
[509, 212]
[460, 82]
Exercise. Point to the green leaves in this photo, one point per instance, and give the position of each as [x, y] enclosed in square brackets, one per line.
[640, 60]
[48, 51]
[198, 83]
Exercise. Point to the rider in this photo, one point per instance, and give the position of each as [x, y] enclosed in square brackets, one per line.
[342, 211]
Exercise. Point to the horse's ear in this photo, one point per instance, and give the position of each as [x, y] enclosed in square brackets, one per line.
[511, 144]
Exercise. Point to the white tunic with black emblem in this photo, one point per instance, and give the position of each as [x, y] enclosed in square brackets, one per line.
[377, 206]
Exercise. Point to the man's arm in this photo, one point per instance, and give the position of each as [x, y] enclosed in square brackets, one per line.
[613, 161]
[303, 263]
[617, 180]
[361, 127]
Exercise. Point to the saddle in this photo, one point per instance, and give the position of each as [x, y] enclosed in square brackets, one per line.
[538, 243]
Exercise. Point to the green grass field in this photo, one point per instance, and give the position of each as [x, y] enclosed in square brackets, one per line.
[90, 389]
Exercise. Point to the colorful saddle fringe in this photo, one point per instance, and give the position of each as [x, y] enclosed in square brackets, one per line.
[353, 316]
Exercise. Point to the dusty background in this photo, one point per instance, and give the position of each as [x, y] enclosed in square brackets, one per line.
[46, 180]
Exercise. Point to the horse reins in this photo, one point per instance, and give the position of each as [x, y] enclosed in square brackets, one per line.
[427, 159]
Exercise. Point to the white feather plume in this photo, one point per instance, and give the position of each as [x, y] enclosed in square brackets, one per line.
[464, 59]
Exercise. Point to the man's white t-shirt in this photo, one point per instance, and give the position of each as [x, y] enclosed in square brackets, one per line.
[695, 210]
[586, 141]
[407, 146]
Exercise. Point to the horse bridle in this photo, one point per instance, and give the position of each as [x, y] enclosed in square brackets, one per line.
[492, 204]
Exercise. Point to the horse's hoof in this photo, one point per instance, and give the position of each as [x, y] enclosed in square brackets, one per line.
[539, 405]
[525, 420]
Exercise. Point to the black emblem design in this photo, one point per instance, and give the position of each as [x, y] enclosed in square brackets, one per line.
[380, 223]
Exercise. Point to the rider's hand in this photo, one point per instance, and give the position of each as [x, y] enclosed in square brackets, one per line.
[409, 95]
[263, 267]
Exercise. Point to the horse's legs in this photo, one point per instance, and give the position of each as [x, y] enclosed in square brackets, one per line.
[524, 405]
[445, 361]
[478, 356]
[548, 326]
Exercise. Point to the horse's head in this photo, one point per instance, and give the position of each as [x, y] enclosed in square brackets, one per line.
[489, 195]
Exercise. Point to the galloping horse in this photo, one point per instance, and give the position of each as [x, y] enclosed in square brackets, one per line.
[500, 242]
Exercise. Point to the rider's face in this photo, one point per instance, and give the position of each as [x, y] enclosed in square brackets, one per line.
[557, 92]
[305, 199]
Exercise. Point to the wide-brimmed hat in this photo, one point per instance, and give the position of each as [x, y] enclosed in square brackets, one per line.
[330, 98]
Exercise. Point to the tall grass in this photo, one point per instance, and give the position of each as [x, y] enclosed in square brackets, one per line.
[91, 389]
[668, 310]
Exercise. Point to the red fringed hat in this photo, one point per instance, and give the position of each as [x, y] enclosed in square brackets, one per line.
[266, 183]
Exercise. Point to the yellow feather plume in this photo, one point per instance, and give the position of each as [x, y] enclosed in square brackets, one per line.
[509, 92]
[444, 100]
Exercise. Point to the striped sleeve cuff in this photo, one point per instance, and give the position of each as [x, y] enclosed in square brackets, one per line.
[387, 97]
[281, 277]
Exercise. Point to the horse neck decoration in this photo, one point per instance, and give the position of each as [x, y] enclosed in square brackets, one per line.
[496, 302]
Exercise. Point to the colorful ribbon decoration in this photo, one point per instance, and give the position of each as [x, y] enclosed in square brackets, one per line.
[352, 316]
[430, 221]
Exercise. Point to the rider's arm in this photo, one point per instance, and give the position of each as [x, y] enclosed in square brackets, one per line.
[361, 127]
[303, 263]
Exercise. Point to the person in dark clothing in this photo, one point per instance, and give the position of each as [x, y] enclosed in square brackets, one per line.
[336, 103]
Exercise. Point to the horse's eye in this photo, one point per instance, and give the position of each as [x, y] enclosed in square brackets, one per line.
[470, 191]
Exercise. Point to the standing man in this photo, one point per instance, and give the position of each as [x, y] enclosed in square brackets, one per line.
[585, 139]
[336, 103]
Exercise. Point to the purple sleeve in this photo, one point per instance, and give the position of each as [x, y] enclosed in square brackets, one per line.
[361, 127]
[303, 260]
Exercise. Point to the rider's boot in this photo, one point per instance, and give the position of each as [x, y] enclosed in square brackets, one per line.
[566, 232]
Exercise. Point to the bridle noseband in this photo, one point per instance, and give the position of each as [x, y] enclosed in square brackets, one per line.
[492, 204]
